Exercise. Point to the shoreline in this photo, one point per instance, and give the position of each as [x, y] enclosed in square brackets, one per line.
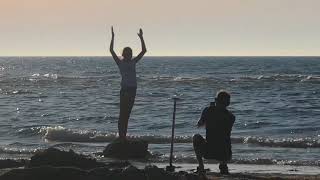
[251, 169]
[184, 173]
[132, 168]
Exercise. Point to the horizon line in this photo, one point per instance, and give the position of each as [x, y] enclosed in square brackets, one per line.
[168, 56]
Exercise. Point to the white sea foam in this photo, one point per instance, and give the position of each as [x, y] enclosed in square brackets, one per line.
[16, 150]
[279, 77]
[62, 134]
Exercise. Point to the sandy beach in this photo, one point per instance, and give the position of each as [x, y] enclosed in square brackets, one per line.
[254, 171]
[56, 164]
[239, 172]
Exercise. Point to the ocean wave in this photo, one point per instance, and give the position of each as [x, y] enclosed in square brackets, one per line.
[54, 76]
[249, 78]
[16, 150]
[280, 77]
[38, 76]
[15, 92]
[61, 134]
[67, 135]
[160, 158]
[33, 131]
[306, 142]
[181, 79]
[177, 158]
[277, 162]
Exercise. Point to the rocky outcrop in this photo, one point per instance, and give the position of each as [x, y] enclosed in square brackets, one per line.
[67, 173]
[9, 163]
[54, 164]
[155, 173]
[58, 158]
[127, 149]
[45, 172]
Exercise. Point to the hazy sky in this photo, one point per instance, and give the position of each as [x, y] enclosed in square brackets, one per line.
[171, 27]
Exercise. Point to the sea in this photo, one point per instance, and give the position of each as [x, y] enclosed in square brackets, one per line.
[73, 103]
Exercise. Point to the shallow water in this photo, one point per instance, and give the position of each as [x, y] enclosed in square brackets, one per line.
[73, 102]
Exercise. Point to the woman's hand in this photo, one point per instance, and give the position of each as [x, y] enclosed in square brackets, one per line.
[140, 34]
[143, 46]
[114, 55]
[112, 32]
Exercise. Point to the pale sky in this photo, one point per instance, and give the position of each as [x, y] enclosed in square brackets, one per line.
[171, 27]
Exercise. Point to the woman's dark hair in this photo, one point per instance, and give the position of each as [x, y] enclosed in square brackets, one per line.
[127, 53]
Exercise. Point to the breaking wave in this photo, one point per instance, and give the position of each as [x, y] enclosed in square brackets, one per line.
[181, 79]
[280, 77]
[261, 161]
[15, 92]
[16, 150]
[52, 77]
[67, 135]
[178, 158]
[280, 142]
[234, 78]
[61, 134]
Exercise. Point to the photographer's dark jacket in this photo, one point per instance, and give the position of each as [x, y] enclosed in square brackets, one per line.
[218, 123]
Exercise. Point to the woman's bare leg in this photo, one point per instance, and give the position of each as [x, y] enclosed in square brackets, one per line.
[124, 115]
[126, 104]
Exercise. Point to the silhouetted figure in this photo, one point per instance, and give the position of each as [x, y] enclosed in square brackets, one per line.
[127, 67]
[218, 122]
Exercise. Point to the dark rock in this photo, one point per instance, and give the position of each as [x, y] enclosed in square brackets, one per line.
[187, 176]
[56, 157]
[127, 173]
[111, 170]
[102, 172]
[155, 173]
[9, 163]
[131, 172]
[127, 149]
[47, 173]
[54, 164]
[118, 165]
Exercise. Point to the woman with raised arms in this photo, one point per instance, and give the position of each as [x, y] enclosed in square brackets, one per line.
[127, 67]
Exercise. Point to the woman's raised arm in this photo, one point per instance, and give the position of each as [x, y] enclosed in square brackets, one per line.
[143, 47]
[114, 55]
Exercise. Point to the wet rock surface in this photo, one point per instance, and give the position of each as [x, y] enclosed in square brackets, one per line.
[57, 158]
[9, 163]
[54, 164]
[45, 172]
[127, 149]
